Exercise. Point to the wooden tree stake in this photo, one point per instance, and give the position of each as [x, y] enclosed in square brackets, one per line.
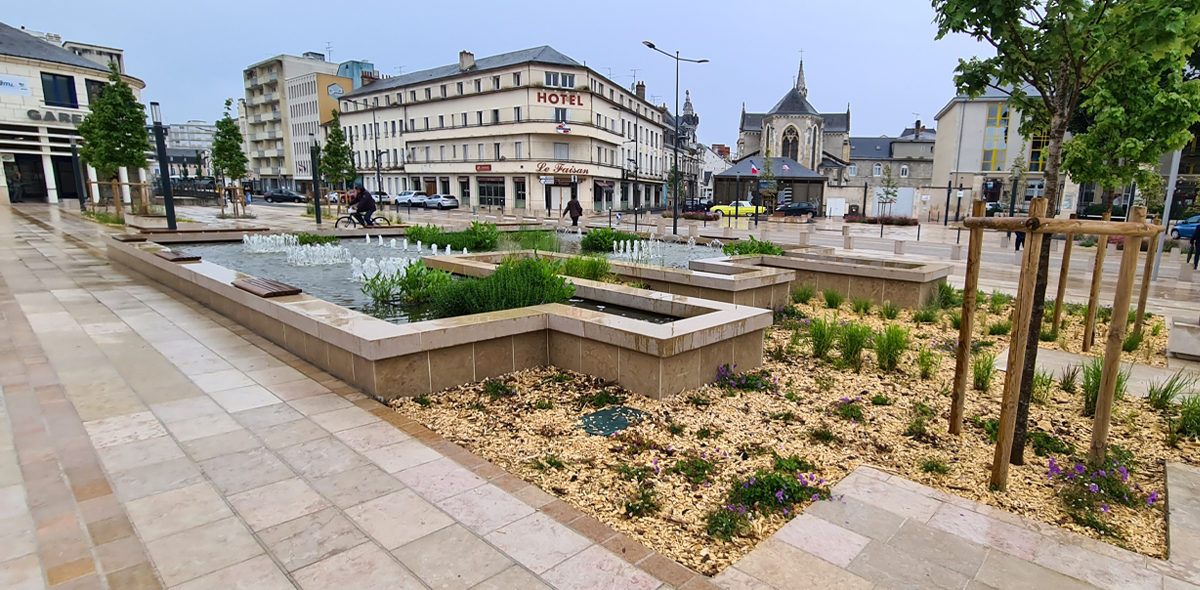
[1062, 281]
[1144, 291]
[1112, 348]
[1089, 326]
[970, 289]
[1016, 351]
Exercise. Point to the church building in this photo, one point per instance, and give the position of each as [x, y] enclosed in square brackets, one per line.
[793, 129]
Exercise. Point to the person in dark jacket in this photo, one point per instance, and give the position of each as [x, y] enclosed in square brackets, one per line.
[1020, 240]
[575, 210]
[364, 205]
[1195, 242]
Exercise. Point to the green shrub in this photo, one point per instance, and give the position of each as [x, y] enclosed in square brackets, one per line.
[1045, 444]
[822, 334]
[928, 362]
[644, 502]
[544, 404]
[824, 435]
[990, 427]
[890, 344]
[760, 380]
[1047, 335]
[1093, 369]
[586, 267]
[601, 239]
[768, 492]
[983, 366]
[849, 409]
[694, 469]
[861, 305]
[792, 464]
[1132, 342]
[426, 234]
[1043, 383]
[416, 283]
[547, 463]
[1000, 328]
[955, 316]
[889, 310]
[602, 398]
[306, 238]
[631, 473]
[880, 399]
[1156, 329]
[934, 465]
[752, 246]
[833, 298]
[515, 283]
[496, 389]
[1104, 314]
[928, 314]
[1162, 394]
[541, 241]
[726, 523]
[852, 338]
[482, 236]
[948, 296]
[803, 294]
[997, 301]
[1069, 378]
[1188, 423]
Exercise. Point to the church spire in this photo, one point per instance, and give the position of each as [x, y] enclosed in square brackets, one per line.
[800, 86]
[687, 103]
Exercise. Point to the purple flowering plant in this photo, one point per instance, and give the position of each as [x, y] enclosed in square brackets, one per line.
[1089, 491]
[760, 380]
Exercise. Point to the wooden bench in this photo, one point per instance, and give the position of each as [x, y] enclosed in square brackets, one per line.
[266, 287]
[129, 238]
[176, 256]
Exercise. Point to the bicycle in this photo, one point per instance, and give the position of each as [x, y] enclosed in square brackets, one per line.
[350, 221]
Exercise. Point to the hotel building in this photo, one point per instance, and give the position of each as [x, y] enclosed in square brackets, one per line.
[522, 131]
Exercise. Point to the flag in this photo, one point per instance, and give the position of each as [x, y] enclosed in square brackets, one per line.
[786, 168]
[753, 168]
[562, 128]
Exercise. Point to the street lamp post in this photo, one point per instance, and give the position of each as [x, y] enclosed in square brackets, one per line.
[675, 199]
[314, 153]
[164, 178]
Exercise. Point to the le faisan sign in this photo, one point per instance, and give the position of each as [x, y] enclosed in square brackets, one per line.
[51, 116]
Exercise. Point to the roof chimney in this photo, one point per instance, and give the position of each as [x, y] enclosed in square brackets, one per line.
[466, 60]
[640, 90]
[917, 130]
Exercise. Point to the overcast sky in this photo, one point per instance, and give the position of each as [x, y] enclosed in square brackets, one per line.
[879, 56]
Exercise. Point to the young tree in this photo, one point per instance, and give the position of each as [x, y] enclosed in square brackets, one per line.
[1048, 54]
[888, 193]
[114, 133]
[336, 164]
[228, 160]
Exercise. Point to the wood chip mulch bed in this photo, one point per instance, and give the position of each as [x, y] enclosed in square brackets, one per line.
[533, 433]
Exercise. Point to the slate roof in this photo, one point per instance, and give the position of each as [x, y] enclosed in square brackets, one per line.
[871, 147]
[836, 122]
[793, 103]
[752, 121]
[18, 43]
[926, 133]
[544, 54]
[795, 169]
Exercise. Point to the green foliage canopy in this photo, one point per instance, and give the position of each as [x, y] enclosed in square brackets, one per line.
[114, 132]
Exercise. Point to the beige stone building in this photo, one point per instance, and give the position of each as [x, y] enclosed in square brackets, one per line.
[312, 98]
[522, 131]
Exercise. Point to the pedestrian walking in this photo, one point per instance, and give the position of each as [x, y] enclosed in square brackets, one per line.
[575, 210]
[1195, 243]
[1020, 240]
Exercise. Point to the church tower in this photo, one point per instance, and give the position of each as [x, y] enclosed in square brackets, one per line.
[689, 121]
[800, 85]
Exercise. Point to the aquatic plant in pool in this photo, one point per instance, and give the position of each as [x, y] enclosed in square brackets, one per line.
[515, 283]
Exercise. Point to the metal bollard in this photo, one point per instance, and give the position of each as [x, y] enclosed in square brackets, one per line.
[848, 242]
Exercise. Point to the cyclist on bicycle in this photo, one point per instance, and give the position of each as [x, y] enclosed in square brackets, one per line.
[364, 205]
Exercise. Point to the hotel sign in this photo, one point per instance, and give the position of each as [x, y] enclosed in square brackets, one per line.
[560, 98]
[560, 168]
[483, 167]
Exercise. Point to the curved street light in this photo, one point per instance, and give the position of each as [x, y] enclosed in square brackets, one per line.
[675, 197]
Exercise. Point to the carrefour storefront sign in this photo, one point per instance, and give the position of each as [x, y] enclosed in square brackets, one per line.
[51, 116]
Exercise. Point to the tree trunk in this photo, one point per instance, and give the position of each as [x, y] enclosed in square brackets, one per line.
[118, 202]
[1058, 130]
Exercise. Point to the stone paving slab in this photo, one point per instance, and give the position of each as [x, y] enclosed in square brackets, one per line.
[1141, 377]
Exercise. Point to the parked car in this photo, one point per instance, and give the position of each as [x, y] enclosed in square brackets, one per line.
[417, 199]
[694, 205]
[739, 208]
[797, 209]
[1186, 228]
[441, 202]
[403, 197]
[283, 194]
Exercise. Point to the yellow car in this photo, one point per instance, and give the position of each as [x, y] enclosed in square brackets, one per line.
[739, 208]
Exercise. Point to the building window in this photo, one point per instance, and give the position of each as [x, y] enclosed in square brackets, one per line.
[443, 91]
[517, 150]
[460, 88]
[495, 82]
[412, 124]
[426, 153]
[1037, 153]
[877, 169]
[93, 90]
[517, 79]
[466, 154]
[853, 170]
[428, 93]
[496, 149]
[519, 192]
[479, 117]
[412, 96]
[464, 119]
[995, 138]
[562, 151]
[441, 153]
[791, 144]
[561, 115]
[426, 123]
[441, 121]
[481, 156]
[478, 85]
[599, 155]
[552, 79]
[904, 171]
[568, 80]
[59, 90]
[516, 113]
[491, 193]
[495, 115]
[598, 124]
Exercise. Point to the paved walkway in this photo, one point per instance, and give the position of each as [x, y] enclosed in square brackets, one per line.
[1141, 377]
[147, 442]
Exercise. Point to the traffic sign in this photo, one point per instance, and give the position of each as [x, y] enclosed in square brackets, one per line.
[546, 179]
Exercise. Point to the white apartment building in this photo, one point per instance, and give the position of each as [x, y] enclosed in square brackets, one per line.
[193, 135]
[311, 99]
[524, 130]
[268, 133]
